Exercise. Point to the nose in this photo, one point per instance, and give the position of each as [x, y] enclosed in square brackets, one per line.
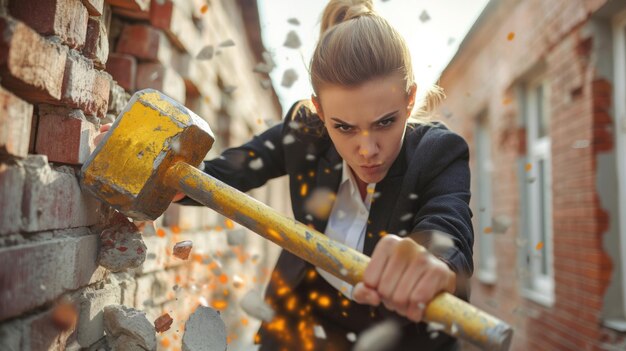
[368, 145]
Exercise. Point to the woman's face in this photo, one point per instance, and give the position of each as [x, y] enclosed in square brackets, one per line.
[367, 123]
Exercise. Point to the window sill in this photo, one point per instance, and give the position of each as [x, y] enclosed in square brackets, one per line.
[487, 277]
[542, 298]
[617, 324]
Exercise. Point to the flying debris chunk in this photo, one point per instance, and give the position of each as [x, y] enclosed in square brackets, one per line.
[351, 337]
[252, 303]
[288, 139]
[206, 53]
[163, 323]
[320, 203]
[269, 145]
[382, 336]
[289, 77]
[229, 89]
[204, 330]
[266, 84]
[182, 249]
[293, 21]
[501, 224]
[256, 164]
[293, 40]
[65, 315]
[227, 43]
[424, 16]
[128, 329]
[319, 332]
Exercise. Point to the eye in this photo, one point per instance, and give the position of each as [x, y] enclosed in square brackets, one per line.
[386, 122]
[343, 128]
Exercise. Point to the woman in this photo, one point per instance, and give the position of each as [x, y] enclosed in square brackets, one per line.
[353, 140]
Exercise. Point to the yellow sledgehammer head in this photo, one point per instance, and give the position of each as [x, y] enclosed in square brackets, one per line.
[128, 167]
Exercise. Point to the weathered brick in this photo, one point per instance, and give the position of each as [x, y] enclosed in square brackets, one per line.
[140, 5]
[12, 185]
[30, 66]
[85, 87]
[66, 19]
[177, 24]
[123, 69]
[145, 42]
[163, 78]
[36, 273]
[97, 42]
[94, 7]
[65, 135]
[118, 98]
[92, 302]
[40, 333]
[15, 118]
[53, 199]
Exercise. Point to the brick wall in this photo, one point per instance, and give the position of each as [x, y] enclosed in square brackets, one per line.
[556, 38]
[69, 66]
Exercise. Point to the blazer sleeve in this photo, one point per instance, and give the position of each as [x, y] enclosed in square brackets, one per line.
[252, 164]
[444, 211]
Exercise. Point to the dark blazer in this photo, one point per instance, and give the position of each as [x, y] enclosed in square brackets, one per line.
[430, 179]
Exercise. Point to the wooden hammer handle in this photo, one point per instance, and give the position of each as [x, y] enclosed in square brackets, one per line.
[459, 318]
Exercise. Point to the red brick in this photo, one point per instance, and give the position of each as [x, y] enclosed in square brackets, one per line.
[160, 77]
[15, 119]
[65, 135]
[134, 9]
[94, 7]
[97, 43]
[178, 25]
[38, 272]
[52, 198]
[140, 5]
[123, 69]
[66, 19]
[30, 66]
[145, 42]
[85, 87]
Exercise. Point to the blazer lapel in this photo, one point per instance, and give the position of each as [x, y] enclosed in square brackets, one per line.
[328, 176]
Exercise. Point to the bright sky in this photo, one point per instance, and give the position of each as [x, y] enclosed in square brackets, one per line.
[432, 41]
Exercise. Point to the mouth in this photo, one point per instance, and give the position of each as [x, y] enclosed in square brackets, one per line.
[371, 168]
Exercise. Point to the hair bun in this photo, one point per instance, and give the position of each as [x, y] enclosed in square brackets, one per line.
[338, 11]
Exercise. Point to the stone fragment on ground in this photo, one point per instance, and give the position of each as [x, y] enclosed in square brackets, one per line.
[128, 329]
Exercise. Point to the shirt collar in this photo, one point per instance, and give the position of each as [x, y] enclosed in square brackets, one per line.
[347, 176]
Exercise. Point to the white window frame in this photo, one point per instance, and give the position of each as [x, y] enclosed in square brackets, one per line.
[619, 59]
[539, 286]
[484, 168]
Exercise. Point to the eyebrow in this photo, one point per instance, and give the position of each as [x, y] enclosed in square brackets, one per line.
[390, 114]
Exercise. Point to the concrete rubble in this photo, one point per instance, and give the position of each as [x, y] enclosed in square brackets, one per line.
[204, 331]
[121, 245]
[128, 329]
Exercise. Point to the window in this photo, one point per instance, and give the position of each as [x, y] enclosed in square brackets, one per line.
[486, 257]
[536, 179]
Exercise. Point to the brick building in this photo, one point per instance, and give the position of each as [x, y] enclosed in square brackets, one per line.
[538, 89]
[68, 66]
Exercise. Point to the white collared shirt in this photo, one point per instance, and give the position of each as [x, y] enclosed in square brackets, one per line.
[348, 221]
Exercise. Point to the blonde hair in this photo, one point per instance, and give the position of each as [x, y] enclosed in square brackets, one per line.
[357, 45]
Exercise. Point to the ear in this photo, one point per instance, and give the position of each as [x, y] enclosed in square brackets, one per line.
[318, 106]
[411, 98]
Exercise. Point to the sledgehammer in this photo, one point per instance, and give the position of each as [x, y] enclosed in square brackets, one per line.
[149, 155]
